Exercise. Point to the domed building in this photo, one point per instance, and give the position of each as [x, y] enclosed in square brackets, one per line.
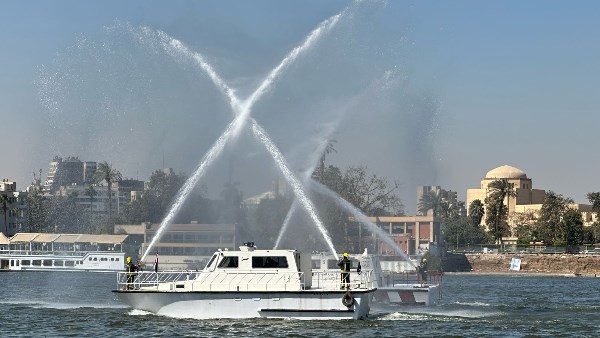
[526, 200]
[523, 187]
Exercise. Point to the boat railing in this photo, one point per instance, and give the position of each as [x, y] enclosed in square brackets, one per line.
[408, 277]
[333, 279]
[136, 280]
[223, 281]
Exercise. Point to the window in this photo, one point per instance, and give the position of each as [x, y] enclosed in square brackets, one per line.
[332, 264]
[69, 263]
[269, 262]
[229, 262]
[211, 260]
[59, 263]
[47, 262]
[25, 262]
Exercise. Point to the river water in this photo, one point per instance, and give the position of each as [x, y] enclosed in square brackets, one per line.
[55, 304]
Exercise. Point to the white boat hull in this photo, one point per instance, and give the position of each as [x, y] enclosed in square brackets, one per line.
[306, 304]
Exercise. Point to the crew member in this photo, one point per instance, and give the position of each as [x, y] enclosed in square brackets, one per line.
[344, 265]
[130, 268]
[422, 269]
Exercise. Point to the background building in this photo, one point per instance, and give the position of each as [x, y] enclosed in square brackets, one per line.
[183, 246]
[448, 196]
[527, 199]
[68, 171]
[413, 234]
[13, 208]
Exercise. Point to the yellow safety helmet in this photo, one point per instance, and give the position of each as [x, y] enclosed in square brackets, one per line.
[424, 259]
[128, 259]
[345, 254]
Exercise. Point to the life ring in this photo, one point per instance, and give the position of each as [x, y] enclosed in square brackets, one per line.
[348, 300]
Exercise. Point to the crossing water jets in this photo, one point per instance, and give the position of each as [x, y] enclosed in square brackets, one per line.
[242, 110]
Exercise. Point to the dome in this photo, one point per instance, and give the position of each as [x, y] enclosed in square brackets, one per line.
[505, 171]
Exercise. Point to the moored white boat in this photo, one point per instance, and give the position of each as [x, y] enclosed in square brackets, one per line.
[248, 283]
[62, 252]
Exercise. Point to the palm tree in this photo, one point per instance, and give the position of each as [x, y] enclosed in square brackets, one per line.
[500, 190]
[476, 212]
[328, 150]
[105, 172]
[431, 200]
[91, 192]
[4, 201]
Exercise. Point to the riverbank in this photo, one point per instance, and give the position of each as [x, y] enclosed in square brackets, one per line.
[551, 264]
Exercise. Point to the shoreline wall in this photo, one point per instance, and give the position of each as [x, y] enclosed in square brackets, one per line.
[530, 263]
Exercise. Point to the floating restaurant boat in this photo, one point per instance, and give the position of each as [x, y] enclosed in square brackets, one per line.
[392, 288]
[62, 252]
[248, 283]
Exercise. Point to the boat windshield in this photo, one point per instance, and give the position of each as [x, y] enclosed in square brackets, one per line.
[229, 262]
[212, 259]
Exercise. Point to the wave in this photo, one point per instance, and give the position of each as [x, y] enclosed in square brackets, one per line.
[136, 312]
[36, 304]
[472, 303]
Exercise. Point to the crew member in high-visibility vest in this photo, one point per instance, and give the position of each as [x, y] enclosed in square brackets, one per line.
[130, 268]
[344, 265]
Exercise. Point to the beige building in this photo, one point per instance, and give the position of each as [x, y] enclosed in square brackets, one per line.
[527, 200]
[523, 187]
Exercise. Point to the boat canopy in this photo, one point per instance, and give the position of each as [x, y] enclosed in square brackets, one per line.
[65, 238]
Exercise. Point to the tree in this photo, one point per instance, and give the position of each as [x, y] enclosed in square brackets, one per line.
[37, 211]
[495, 219]
[232, 208]
[156, 200]
[373, 195]
[105, 172]
[431, 200]
[572, 224]
[549, 224]
[499, 190]
[268, 218]
[524, 226]
[328, 150]
[594, 198]
[476, 212]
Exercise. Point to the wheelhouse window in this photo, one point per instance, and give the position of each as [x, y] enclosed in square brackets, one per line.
[229, 262]
[269, 262]
[212, 259]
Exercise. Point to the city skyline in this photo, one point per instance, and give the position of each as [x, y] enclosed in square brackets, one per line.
[438, 93]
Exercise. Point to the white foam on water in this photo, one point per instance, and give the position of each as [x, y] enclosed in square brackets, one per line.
[136, 312]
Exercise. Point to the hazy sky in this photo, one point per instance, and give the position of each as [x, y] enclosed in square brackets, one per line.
[423, 92]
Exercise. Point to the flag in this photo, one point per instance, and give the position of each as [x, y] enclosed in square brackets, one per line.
[156, 262]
